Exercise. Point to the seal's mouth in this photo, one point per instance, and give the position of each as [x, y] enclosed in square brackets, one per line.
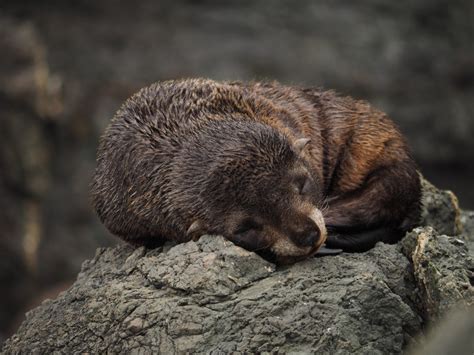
[291, 259]
[315, 249]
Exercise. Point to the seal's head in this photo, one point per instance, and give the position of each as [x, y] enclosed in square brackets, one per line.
[261, 195]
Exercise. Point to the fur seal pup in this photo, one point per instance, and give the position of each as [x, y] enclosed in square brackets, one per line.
[275, 169]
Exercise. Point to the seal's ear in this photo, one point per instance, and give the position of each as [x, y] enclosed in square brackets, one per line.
[196, 229]
[300, 144]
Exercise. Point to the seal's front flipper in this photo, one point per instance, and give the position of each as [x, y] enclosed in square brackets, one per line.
[324, 251]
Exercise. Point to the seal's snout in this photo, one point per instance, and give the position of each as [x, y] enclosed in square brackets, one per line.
[310, 239]
[308, 236]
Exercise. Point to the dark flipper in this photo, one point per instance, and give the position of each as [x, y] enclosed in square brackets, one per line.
[324, 251]
[362, 241]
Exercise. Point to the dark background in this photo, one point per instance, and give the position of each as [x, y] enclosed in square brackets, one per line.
[66, 66]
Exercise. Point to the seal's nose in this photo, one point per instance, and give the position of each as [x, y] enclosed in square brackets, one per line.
[304, 233]
[310, 239]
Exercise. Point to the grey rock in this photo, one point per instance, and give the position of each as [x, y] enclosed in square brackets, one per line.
[210, 295]
[440, 209]
[443, 270]
[467, 222]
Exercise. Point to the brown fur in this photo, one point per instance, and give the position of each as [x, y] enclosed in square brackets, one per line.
[225, 158]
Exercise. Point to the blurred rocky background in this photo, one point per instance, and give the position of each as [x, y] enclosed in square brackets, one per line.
[65, 68]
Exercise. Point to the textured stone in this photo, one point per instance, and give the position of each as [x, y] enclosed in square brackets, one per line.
[443, 270]
[467, 222]
[440, 210]
[210, 295]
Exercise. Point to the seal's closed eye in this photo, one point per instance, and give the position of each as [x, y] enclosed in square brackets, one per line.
[248, 235]
[247, 225]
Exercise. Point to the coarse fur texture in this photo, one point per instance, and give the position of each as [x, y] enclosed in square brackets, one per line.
[273, 168]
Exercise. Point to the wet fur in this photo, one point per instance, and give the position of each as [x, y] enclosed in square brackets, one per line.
[148, 185]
